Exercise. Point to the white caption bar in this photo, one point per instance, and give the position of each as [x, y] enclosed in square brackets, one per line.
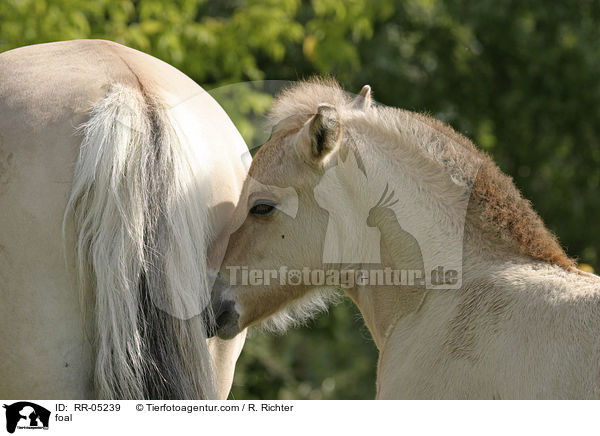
[298, 417]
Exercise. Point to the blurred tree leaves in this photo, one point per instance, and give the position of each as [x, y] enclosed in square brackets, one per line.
[212, 41]
[519, 77]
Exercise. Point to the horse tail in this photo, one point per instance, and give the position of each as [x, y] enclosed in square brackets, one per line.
[141, 233]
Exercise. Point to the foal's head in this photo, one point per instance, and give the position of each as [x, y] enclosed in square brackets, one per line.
[278, 229]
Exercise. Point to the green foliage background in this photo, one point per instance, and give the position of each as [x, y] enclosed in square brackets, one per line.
[520, 77]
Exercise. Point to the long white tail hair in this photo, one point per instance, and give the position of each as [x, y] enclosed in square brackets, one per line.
[141, 232]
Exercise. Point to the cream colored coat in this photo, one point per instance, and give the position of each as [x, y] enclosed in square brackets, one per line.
[46, 93]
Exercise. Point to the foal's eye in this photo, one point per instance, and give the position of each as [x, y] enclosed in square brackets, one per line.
[262, 208]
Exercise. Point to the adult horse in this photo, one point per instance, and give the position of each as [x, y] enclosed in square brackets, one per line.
[468, 294]
[127, 166]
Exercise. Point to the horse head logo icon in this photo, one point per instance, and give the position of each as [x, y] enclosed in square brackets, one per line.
[28, 415]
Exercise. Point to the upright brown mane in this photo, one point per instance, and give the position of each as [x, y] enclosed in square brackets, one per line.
[501, 207]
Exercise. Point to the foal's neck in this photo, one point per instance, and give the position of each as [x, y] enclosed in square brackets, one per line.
[383, 306]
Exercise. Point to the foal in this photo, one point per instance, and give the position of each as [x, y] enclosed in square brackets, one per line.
[466, 294]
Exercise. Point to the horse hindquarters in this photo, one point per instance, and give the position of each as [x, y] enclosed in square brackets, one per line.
[46, 92]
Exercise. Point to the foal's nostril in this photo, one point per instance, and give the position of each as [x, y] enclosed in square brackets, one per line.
[227, 320]
[224, 313]
[222, 318]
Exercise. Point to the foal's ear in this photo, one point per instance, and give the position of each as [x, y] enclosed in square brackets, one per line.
[363, 99]
[320, 137]
[325, 131]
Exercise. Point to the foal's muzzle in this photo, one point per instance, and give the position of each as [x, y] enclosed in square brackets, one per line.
[224, 323]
